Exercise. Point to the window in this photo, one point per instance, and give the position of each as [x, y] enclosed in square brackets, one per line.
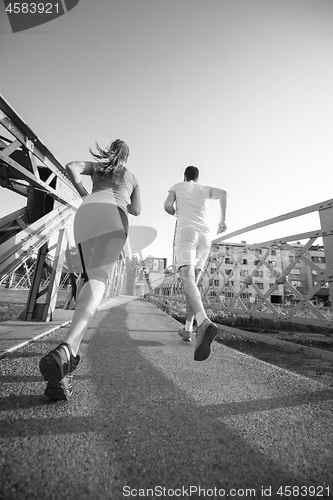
[273, 252]
[212, 293]
[212, 270]
[228, 260]
[228, 271]
[244, 261]
[295, 283]
[216, 282]
[323, 285]
[229, 295]
[259, 274]
[318, 259]
[256, 262]
[295, 271]
[260, 286]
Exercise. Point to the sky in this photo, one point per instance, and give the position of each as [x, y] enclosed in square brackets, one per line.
[240, 88]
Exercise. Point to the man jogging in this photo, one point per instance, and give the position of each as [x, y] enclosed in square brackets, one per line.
[188, 200]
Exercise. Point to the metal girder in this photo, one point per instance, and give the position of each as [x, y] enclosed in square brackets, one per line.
[28, 168]
[274, 220]
[23, 244]
[29, 147]
[12, 224]
[64, 192]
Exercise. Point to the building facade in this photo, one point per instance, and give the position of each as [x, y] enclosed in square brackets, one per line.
[283, 275]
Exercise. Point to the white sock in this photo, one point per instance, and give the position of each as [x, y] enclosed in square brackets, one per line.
[189, 325]
[200, 317]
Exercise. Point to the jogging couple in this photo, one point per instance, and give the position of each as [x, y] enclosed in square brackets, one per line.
[100, 233]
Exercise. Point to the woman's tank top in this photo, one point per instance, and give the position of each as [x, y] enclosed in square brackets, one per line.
[115, 189]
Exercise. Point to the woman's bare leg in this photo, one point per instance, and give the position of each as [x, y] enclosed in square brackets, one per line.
[87, 303]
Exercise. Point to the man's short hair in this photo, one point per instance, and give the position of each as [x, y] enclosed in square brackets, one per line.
[191, 173]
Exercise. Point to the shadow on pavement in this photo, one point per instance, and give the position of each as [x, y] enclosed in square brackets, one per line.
[160, 436]
[130, 425]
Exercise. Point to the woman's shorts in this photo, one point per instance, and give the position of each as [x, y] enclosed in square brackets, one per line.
[100, 232]
[192, 247]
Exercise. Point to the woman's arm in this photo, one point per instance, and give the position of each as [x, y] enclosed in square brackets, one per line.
[74, 170]
[134, 208]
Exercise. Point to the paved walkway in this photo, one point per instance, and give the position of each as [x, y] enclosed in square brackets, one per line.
[146, 421]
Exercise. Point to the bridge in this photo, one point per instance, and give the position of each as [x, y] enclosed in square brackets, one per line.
[145, 419]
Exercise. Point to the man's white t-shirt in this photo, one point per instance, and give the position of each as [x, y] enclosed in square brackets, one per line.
[191, 205]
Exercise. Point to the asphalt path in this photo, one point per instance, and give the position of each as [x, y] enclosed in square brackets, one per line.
[147, 421]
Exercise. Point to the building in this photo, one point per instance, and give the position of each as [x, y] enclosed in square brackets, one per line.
[234, 267]
[150, 273]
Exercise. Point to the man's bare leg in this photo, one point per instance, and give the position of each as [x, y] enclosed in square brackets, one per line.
[192, 294]
[207, 330]
[189, 312]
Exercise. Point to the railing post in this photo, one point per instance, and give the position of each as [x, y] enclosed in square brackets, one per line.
[326, 221]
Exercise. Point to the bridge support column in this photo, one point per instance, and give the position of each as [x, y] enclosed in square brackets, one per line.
[52, 291]
[30, 312]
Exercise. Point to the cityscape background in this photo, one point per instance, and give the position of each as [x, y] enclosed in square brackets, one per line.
[240, 88]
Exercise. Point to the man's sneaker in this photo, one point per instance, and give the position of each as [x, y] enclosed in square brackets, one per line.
[57, 368]
[185, 334]
[62, 390]
[206, 333]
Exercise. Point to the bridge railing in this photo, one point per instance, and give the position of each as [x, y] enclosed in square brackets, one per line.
[288, 279]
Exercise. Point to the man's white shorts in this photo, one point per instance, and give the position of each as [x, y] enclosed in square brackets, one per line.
[192, 247]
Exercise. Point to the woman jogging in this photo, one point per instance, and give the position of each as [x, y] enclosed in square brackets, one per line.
[100, 232]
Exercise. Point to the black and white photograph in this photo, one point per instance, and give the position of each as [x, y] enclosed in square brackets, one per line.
[166, 249]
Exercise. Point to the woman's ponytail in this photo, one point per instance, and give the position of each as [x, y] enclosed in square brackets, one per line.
[112, 158]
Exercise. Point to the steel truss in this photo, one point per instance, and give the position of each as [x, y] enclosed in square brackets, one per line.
[27, 167]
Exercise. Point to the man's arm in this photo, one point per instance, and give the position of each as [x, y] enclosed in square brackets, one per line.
[220, 194]
[169, 203]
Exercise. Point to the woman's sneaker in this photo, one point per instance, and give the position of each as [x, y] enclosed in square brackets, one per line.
[185, 334]
[57, 368]
[62, 390]
[206, 333]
